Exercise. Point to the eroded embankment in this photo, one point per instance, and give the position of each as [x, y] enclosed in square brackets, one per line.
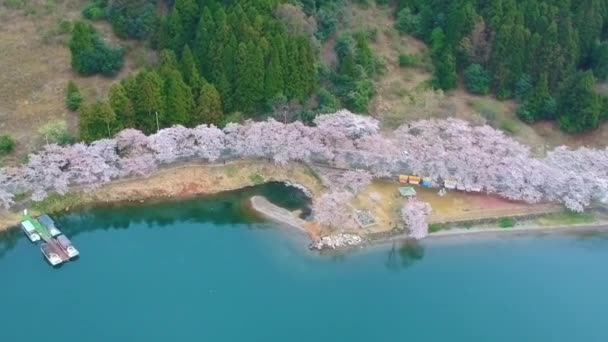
[178, 182]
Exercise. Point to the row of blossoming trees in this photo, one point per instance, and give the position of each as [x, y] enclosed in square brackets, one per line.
[476, 156]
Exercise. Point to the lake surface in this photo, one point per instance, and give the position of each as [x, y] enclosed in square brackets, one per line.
[208, 270]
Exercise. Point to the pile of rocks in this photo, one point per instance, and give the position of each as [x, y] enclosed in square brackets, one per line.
[336, 241]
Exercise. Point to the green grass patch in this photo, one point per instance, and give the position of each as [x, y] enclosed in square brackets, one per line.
[256, 179]
[566, 218]
[56, 202]
[435, 227]
[410, 60]
[509, 126]
[15, 4]
[506, 222]
[495, 115]
[20, 197]
[487, 109]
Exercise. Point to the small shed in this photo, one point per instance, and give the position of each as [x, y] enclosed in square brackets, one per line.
[427, 182]
[414, 179]
[450, 183]
[407, 191]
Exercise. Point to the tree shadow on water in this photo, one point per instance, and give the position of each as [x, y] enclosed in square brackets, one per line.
[404, 254]
[8, 240]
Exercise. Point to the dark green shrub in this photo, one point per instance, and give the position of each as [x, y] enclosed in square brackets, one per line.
[506, 222]
[406, 21]
[7, 145]
[477, 79]
[328, 103]
[409, 60]
[91, 55]
[435, 227]
[73, 97]
[93, 12]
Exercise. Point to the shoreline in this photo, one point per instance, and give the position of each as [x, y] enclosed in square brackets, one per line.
[467, 235]
[182, 182]
[177, 182]
[525, 230]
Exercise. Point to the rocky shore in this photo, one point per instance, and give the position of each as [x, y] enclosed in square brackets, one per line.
[337, 241]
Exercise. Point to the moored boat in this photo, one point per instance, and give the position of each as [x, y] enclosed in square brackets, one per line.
[30, 231]
[51, 254]
[67, 246]
[48, 222]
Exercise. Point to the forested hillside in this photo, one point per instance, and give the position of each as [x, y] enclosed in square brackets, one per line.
[222, 61]
[548, 54]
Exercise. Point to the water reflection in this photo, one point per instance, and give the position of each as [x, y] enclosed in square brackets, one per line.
[404, 254]
[223, 209]
[227, 208]
[8, 240]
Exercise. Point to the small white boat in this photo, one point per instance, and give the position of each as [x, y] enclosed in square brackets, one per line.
[48, 222]
[30, 231]
[53, 258]
[67, 246]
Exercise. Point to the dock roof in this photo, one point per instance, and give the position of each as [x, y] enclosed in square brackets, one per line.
[46, 220]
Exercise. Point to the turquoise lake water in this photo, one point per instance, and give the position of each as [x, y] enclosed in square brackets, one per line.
[207, 270]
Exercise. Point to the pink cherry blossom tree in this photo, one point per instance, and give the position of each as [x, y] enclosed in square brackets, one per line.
[352, 180]
[6, 196]
[332, 209]
[414, 214]
[478, 157]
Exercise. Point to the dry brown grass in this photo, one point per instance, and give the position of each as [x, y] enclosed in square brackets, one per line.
[402, 94]
[35, 69]
[382, 199]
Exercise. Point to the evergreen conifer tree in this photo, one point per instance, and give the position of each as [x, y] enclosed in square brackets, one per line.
[189, 13]
[209, 106]
[579, 105]
[189, 70]
[178, 101]
[122, 106]
[149, 102]
[97, 121]
[273, 82]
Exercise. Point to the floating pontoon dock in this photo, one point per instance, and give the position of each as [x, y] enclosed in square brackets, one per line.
[50, 254]
[55, 250]
[49, 224]
[67, 246]
[30, 231]
[42, 231]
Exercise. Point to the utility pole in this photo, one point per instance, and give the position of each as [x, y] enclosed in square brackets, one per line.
[157, 125]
